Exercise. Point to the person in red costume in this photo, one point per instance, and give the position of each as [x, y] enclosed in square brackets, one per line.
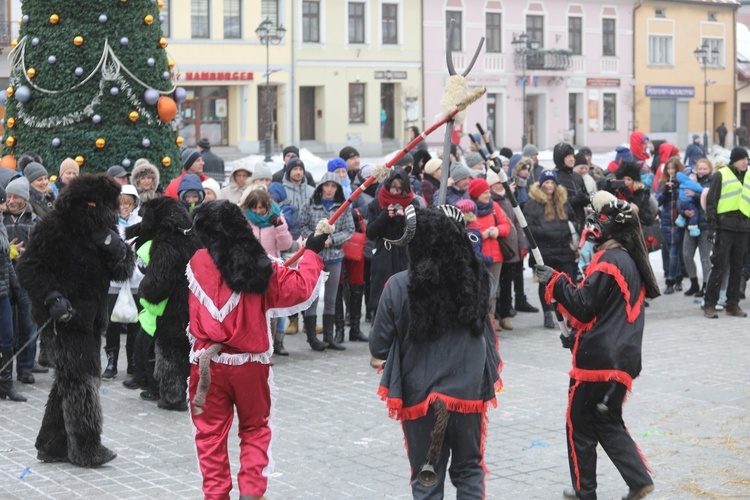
[235, 290]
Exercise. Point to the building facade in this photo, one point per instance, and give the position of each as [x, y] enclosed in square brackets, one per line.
[575, 68]
[672, 80]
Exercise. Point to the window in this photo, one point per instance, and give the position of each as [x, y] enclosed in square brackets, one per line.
[575, 35]
[535, 29]
[493, 32]
[311, 21]
[269, 9]
[610, 111]
[660, 49]
[233, 19]
[199, 19]
[608, 37]
[715, 56]
[356, 22]
[452, 15]
[390, 24]
[164, 14]
[663, 115]
[356, 103]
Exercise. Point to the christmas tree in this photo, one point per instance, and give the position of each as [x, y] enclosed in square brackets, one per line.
[90, 80]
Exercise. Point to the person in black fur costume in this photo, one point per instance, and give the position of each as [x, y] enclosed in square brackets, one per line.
[66, 269]
[164, 224]
[442, 364]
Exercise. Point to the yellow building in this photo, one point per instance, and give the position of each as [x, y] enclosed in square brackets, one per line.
[357, 75]
[670, 78]
[221, 62]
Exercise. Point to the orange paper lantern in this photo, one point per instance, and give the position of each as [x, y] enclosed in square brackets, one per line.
[8, 161]
[166, 108]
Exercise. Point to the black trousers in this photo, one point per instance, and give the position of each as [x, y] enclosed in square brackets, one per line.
[728, 257]
[586, 426]
[114, 330]
[463, 444]
[505, 294]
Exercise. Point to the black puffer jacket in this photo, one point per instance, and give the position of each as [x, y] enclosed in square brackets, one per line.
[552, 236]
[578, 196]
[730, 221]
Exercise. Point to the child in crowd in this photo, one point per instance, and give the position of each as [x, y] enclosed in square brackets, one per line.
[469, 209]
[685, 202]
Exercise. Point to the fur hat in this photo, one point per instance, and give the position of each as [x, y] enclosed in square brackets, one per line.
[629, 169]
[33, 171]
[433, 165]
[67, 165]
[738, 153]
[141, 170]
[547, 175]
[188, 157]
[19, 187]
[477, 187]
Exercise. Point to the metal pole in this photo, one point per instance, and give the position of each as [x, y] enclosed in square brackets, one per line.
[705, 103]
[268, 101]
[524, 137]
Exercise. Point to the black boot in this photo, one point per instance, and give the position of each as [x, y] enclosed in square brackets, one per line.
[549, 321]
[312, 339]
[7, 391]
[330, 342]
[670, 287]
[523, 306]
[339, 317]
[278, 344]
[702, 291]
[111, 371]
[678, 284]
[355, 311]
[694, 287]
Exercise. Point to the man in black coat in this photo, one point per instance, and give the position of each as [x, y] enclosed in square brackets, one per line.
[212, 164]
[287, 154]
[564, 157]
[76, 251]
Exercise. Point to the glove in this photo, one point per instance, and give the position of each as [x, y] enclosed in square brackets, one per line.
[274, 220]
[110, 242]
[59, 307]
[316, 243]
[568, 342]
[544, 273]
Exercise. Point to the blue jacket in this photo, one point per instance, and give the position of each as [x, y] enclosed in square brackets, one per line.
[693, 153]
[291, 213]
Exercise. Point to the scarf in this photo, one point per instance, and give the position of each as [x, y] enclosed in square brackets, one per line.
[262, 220]
[385, 198]
[328, 204]
[39, 197]
[485, 208]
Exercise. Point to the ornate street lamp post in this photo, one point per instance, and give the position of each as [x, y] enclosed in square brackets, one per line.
[523, 46]
[702, 54]
[268, 35]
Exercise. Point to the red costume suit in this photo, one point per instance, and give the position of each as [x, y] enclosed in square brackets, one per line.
[221, 312]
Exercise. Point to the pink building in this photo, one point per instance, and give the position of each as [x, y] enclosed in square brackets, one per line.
[578, 67]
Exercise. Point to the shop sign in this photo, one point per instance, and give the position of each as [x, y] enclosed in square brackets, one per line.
[602, 82]
[667, 91]
[226, 76]
[390, 75]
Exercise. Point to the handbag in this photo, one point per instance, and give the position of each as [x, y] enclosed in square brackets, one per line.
[354, 248]
[125, 310]
[508, 251]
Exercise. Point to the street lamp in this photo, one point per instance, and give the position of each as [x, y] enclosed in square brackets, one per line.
[702, 54]
[523, 46]
[268, 35]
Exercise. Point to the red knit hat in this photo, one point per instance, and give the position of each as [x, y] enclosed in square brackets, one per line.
[477, 187]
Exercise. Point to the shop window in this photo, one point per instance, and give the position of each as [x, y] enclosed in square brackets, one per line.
[453, 15]
[311, 21]
[356, 103]
[356, 22]
[233, 19]
[200, 19]
[205, 114]
[663, 115]
[493, 32]
[390, 24]
[610, 112]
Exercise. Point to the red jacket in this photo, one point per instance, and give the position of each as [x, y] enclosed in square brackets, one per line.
[241, 321]
[491, 246]
[173, 186]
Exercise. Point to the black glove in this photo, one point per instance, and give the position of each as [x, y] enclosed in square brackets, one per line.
[110, 242]
[274, 220]
[544, 273]
[316, 243]
[59, 307]
[568, 342]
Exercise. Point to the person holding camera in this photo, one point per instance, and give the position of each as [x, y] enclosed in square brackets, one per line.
[627, 186]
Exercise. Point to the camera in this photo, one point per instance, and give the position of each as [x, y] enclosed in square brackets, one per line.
[617, 184]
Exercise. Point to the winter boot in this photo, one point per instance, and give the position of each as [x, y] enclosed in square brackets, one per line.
[523, 306]
[355, 312]
[678, 284]
[111, 371]
[312, 339]
[694, 287]
[278, 344]
[330, 342]
[293, 327]
[339, 317]
[7, 391]
[549, 321]
[702, 291]
[670, 287]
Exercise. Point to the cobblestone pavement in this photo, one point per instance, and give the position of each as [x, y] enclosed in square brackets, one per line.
[688, 412]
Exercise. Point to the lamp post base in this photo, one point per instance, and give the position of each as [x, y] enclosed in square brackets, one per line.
[267, 146]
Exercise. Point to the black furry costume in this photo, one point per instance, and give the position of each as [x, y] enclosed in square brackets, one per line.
[164, 221]
[63, 258]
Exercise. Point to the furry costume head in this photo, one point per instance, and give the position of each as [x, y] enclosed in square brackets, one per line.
[90, 202]
[241, 259]
[159, 216]
[448, 285]
[616, 219]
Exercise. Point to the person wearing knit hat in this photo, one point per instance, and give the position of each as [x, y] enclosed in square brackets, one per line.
[506, 152]
[26, 158]
[18, 187]
[192, 163]
[212, 163]
[563, 156]
[433, 170]
[69, 170]
[530, 151]
[477, 187]
[211, 189]
[41, 194]
[475, 162]
[261, 174]
[458, 185]
[738, 153]
[338, 167]
[288, 152]
[492, 178]
[351, 157]
[582, 167]
[469, 209]
[547, 175]
[632, 190]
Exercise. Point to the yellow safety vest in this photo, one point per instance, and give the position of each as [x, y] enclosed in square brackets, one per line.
[734, 195]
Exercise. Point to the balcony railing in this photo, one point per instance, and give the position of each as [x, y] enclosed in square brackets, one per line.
[552, 60]
[494, 63]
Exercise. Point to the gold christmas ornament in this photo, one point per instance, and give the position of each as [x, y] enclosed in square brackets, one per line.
[78, 41]
[170, 64]
[9, 91]
[133, 116]
[14, 42]
[100, 143]
[10, 122]
[160, 4]
[162, 42]
[179, 141]
[31, 72]
[20, 22]
[10, 141]
[54, 19]
[166, 161]
[79, 160]
[148, 19]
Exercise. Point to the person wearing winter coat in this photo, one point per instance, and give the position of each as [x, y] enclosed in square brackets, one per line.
[703, 171]
[639, 147]
[362, 203]
[582, 167]
[395, 190]
[632, 190]
[69, 170]
[458, 185]
[145, 177]
[578, 196]
[666, 151]
[469, 210]
[520, 177]
[237, 180]
[694, 152]
[672, 233]
[41, 195]
[213, 164]
[326, 199]
[433, 170]
[261, 175]
[190, 193]
[211, 189]
[493, 225]
[192, 164]
[548, 213]
[290, 212]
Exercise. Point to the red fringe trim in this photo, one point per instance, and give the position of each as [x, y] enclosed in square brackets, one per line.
[582, 375]
[550, 288]
[643, 458]
[482, 442]
[573, 455]
[398, 412]
[608, 268]
[575, 323]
